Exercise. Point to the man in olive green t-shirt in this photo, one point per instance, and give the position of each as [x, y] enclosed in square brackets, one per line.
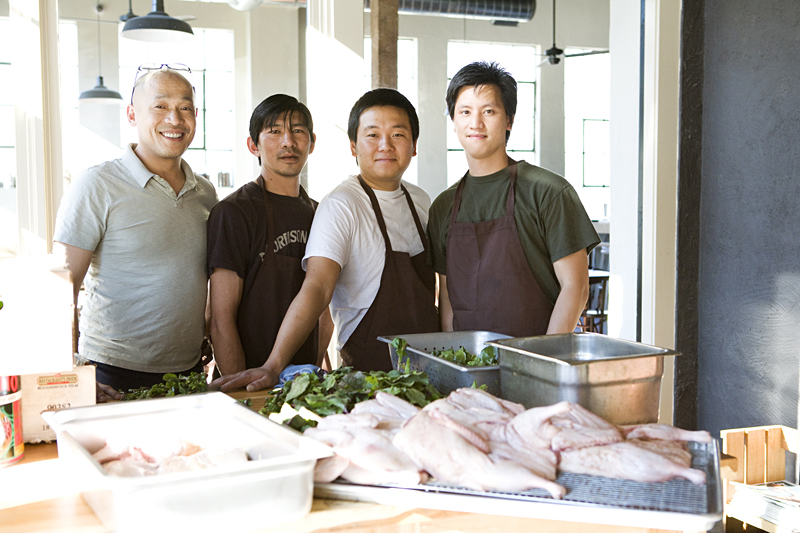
[511, 260]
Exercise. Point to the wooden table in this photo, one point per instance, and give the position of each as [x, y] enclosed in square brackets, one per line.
[37, 495]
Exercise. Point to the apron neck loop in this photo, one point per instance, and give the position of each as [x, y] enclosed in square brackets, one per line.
[512, 169]
[378, 214]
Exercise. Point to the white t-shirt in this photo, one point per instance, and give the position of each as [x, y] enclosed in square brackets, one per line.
[346, 230]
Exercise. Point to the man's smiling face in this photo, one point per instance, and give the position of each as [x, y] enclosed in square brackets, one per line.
[164, 114]
[480, 121]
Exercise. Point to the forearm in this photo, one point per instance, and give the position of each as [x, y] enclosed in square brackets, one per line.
[325, 334]
[301, 318]
[567, 310]
[228, 351]
[445, 309]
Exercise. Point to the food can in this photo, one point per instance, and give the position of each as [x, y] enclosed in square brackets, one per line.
[12, 449]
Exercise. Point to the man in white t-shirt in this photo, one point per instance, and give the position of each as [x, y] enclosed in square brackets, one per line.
[367, 252]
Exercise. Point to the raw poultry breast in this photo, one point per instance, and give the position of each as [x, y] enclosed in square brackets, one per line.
[474, 440]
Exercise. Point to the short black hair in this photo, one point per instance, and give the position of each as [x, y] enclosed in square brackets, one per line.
[380, 98]
[277, 106]
[479, 74]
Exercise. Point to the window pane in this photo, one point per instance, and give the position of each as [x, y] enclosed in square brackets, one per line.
[199, 140]
[218, 91]
[219, 125]
[522, 133]
[196, 160]
[596, 162]
[8, 167]
[218, 161]
[456, 166]
[219, 50]
[6, 126]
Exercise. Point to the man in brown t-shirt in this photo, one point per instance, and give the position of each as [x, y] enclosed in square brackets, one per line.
[256, 241]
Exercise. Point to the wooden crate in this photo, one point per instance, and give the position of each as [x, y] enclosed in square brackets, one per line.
[754, 455]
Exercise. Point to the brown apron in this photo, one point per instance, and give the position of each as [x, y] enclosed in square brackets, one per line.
[277, 281]
[489, 280]
[404, 303]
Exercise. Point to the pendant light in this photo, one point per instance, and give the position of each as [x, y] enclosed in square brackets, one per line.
[100, 94]
[157, 26]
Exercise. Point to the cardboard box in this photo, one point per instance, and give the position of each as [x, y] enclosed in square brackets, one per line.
[53, 392]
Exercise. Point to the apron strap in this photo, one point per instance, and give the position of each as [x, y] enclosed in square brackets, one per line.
[378, 214]
[422, 236]
[512, 169]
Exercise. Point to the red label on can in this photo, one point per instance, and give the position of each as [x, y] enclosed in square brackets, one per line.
[11, 447]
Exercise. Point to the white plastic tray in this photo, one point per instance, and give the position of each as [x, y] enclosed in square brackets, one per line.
[275, 486]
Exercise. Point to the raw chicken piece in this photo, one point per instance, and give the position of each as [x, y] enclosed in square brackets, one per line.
[674, 450]
[126, 468]
[371, 449]
[348, 422]
[374, 408]
[201, 460]
[533, 428]
[363, 476]
[580, 428]
[664, 432]
[402, 407]
[450, 458]
[626, 460]
[143, 449]
[329, 468]
[540, 461]
[468, 397]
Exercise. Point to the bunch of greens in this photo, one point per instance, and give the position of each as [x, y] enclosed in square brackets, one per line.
[173, 385]
[340, 390]
[462, 356]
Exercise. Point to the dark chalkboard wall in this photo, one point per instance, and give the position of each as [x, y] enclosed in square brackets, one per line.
[745, 253]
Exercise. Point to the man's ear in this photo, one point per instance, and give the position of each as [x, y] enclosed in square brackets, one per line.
[252, 146]
[131, 114]
[509, 122]
[353, 148]
[313, 142]
[415, 148]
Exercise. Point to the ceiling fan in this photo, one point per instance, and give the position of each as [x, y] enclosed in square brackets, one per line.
[555, 53]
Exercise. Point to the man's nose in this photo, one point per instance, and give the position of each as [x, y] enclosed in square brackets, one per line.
[174, 116]
[476, 120]
[287, 139]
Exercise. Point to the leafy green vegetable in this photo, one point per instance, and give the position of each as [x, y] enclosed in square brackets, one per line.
[399, 344]
[173, 385]
[462, 356]
[340, 390]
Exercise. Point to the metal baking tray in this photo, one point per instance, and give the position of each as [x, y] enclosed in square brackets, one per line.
[671, 505]
[616, 379]
[277, 482]
[442, 374]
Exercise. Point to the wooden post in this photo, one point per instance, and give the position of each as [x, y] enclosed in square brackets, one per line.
[383, 29]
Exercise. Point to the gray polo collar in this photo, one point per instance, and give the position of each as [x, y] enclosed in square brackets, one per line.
[140, 173]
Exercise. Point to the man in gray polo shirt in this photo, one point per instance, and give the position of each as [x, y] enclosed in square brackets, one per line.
[135, 229]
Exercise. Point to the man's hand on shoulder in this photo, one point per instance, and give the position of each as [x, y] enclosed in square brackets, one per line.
[253, 379]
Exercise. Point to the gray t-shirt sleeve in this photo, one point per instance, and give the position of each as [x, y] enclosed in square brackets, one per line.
[83, 213]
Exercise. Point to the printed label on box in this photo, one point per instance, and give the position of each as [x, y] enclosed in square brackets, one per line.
[53, 392]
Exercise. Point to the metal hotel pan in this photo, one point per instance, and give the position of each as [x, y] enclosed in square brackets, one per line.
[442, 374]
[616, 379]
